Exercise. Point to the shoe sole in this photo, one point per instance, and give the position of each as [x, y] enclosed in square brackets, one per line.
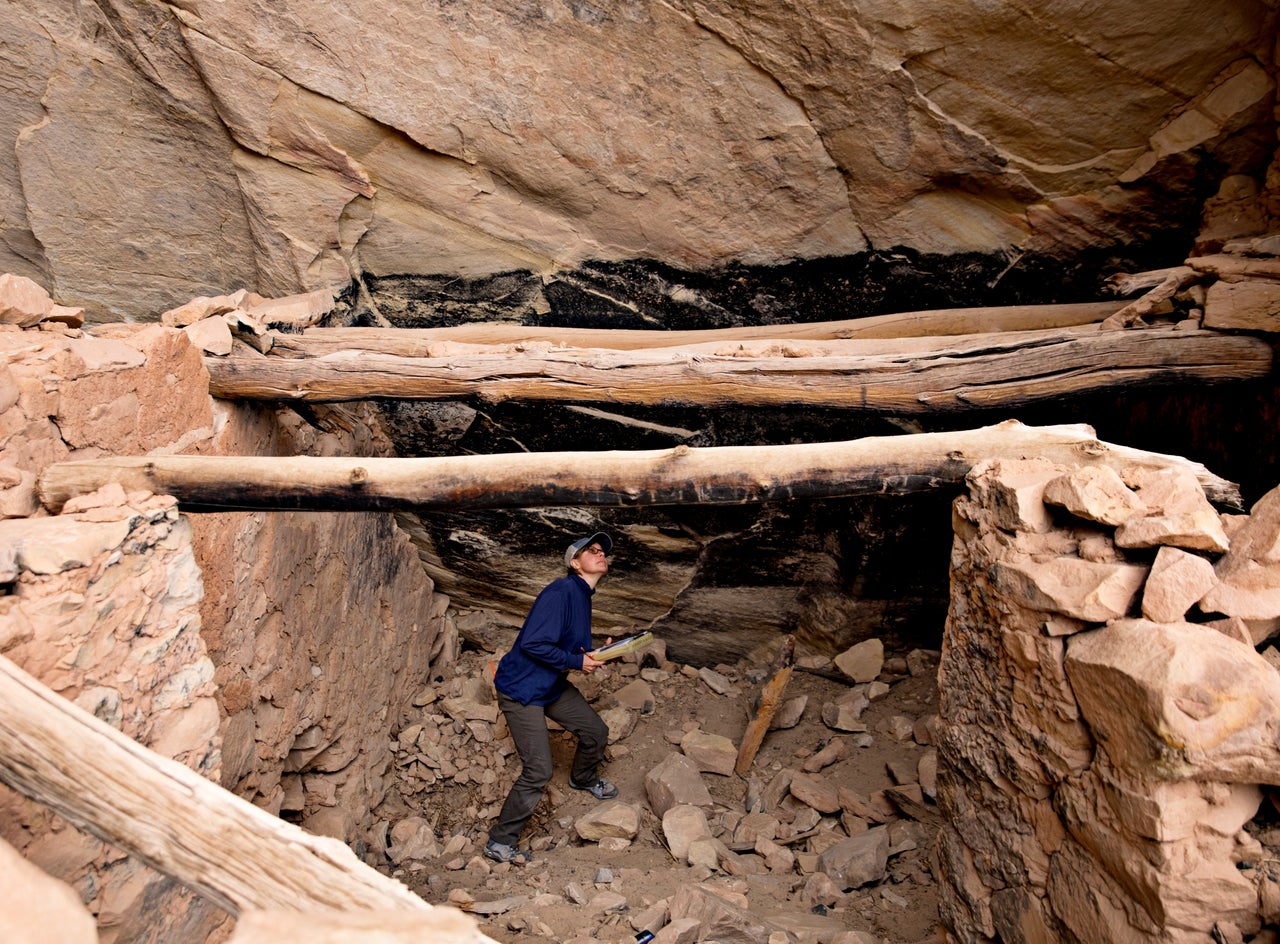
[598, 796]
[518, 859]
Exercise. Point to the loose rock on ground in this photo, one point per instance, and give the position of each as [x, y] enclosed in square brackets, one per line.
[826, 839]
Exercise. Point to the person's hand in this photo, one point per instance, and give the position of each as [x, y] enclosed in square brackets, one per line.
[590, 662]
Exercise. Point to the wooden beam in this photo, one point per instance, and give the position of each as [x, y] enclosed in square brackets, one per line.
[421, 342]
[911, 376]
[1232, 267]
[683, 475]
[1129, 283]
[766, 706]
[168, 816]
[1131, 314]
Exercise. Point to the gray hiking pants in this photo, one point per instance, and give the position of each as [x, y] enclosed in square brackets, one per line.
[528, 724]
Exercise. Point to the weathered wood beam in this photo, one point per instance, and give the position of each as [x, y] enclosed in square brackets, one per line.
[1174, 281]
[911, 376]
[1127, 283]
[1236, 267]
[683, 475]
[766, 706]
[168, 816]
[422, 342]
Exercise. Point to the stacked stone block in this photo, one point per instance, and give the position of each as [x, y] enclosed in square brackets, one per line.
[1106, 721]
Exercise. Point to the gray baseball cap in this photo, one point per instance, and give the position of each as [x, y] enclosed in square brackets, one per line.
[576, 547]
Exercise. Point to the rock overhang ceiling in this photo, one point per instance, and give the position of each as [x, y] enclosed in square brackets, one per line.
[286, 146]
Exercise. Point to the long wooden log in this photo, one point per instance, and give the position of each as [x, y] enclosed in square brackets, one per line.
[168, 816]
[422, 342]
[910, 376]
[683, 475]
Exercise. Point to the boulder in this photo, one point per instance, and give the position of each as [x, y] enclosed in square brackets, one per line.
[863, 661]
[858, 860]
[211, 335]
[710, 753]
[610, 820]
[704, 852]
[754, 826]
[1179, 513]
[844, 713]
[1095, 493]
[678, 931]
[816, 791]
[1080, 589]
[1248, 575]
[1249, 305]
[1175, 700]
[673, 782]
[789, 713]
[294, 312]
[636, 694]
[1012, 490]
[355, 927]
[54, 545]
[1200, 531]
[1178, 579]
[22, 301]
[204, 307]
[777, 858]
[819, 889]
[719, 918]
[681, 826]
[620, 721]
[832, 752]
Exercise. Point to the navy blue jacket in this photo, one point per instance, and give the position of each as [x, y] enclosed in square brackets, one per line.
[555, 634]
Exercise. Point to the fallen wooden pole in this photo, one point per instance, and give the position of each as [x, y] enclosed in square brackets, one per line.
[420, 342]
[683, 475]
[171, 818]
[1175, 280]
[911, 376]
[766, 706]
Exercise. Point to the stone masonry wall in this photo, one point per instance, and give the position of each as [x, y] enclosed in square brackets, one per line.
[322, 626]
[1106, 719]
[270, 651]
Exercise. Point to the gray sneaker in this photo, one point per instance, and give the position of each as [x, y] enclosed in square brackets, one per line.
[501, 852]
[601, 789]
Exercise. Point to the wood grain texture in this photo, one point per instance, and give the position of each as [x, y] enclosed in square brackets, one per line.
[682, 475]
[766, 706]
[170, 817]
[419, 342]
[901, 376]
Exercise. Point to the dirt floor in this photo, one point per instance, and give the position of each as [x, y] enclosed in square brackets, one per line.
[585, 891]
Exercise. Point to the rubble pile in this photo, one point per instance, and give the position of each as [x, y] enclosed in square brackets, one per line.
[825, 839]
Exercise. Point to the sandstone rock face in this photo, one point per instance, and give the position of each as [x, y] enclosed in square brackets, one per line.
[1095, 768]
[285, 148]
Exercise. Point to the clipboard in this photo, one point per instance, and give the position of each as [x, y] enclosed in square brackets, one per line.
[622, 646]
